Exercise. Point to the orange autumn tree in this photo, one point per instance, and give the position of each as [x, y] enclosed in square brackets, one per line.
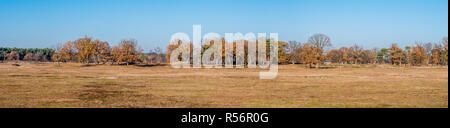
[368, 56]
[85, 48]
[335, 56]
[174, 45]
[13, 56]
[67, 52]
[127, 52]
[316, 46]
[311, 55]
[101, 52]
[397, 54]
[346, 55]
[28, 57]
[419, 55]
[436, 54]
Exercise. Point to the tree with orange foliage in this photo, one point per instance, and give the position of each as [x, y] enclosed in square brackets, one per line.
[368, 56]
[293, 50]
[102, 51]
[311, 55]
[335, 56]
[319, 44]
[67, 52]
[419, 55]
[397, 54]
[282, 56]
[85, 48]
[346, 55]
[174, 45]
[57, 58]
[127, 52]
[13, 55]
[28, 57]
[38, 57]
[436, 54]
[116, 54]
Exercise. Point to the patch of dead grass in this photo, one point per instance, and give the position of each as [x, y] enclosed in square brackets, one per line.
[71, 85]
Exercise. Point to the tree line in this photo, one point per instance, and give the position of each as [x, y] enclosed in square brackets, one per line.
[318, 50]
[420, 54]
[315, 52]
[28, 54]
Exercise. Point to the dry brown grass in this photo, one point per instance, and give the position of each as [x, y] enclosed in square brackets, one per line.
[74, 85]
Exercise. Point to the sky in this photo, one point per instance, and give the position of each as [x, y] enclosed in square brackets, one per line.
[370, 23]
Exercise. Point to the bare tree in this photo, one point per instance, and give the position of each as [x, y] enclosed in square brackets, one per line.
[320, 41]
[293, 51]
[408, 55]
[155, 55]
[429, 49]
[355, 53]
[160, 54]
[445, 43]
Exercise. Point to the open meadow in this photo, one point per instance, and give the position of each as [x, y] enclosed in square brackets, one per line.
[47, 85]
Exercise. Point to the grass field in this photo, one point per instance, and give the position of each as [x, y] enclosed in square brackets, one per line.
[45, 85]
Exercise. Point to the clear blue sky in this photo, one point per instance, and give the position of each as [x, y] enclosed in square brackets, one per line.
[371, 23]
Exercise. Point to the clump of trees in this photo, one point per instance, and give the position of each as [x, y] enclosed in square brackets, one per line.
[87, 50]
[420, 54]
[282, 56]
[28, 54]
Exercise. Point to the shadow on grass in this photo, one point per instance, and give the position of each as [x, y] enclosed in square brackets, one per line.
[150, 65]
[88, 65]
